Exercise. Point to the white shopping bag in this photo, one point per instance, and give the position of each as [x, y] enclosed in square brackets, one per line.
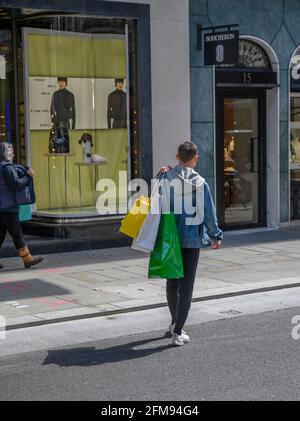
[146, 239]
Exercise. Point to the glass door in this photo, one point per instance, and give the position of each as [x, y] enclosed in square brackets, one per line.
[241, 162]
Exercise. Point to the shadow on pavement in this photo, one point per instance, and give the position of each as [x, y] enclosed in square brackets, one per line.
[30, 288]
[87, 357]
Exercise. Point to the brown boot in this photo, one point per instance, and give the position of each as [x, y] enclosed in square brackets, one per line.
[28, 260]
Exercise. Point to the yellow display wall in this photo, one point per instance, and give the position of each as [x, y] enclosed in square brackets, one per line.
[52, 55]
[109, 144]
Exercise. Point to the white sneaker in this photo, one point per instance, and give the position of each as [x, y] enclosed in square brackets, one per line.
[180, 340]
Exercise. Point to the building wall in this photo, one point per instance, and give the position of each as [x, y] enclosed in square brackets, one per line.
[170, 77]
[169, 62]
[274, 21]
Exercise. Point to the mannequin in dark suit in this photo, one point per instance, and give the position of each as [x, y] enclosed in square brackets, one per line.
[117, 107]
[63, 114]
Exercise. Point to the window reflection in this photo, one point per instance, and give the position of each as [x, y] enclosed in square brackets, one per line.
[241, 161]
[295, 135]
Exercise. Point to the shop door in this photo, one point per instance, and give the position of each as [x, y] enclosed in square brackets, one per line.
[241, 159]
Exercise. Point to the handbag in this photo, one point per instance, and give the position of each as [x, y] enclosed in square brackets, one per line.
[59, 141]
[25, 196]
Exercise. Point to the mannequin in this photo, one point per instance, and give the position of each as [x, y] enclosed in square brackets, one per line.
[295, 147]
[231, 145]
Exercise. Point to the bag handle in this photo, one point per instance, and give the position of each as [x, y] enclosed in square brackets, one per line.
[165, 195]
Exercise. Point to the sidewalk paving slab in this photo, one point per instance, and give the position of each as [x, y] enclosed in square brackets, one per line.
[88, 283]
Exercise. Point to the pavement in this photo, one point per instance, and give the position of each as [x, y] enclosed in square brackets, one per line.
[242, 349]
[87, 284]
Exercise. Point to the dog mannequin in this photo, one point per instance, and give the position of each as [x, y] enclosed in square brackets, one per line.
[86, 143]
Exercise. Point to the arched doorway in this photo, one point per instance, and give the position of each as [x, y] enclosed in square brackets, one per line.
[242, 126]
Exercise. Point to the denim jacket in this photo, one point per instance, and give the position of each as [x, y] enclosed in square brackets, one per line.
[206, 230]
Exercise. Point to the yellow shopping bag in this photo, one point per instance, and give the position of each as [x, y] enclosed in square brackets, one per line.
[135, 218]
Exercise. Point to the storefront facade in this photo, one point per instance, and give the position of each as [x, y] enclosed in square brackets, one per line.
[245, 117]
[90, 91]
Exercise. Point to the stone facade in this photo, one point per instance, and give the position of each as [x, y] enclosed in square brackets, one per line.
[274, 21]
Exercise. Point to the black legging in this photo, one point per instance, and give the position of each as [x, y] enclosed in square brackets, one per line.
[9, 222]
[180, 291]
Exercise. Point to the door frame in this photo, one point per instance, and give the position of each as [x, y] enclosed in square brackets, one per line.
[259, 94]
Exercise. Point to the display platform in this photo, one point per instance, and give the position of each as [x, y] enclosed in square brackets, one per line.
[75, 213]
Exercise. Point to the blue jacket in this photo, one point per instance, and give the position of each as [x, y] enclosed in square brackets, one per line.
[205, 230]
[10, 182]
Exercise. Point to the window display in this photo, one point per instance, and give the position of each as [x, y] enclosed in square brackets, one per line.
[295, 136]
[77, 125]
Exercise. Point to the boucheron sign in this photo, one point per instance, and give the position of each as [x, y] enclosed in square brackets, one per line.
[221, 48]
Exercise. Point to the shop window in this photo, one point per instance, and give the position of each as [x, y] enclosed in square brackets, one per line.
[77, 102]
[295, 136]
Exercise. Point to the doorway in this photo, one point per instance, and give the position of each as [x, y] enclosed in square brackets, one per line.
[241, 158]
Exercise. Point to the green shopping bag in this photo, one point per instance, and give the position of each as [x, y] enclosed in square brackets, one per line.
[25, 213]
[166, 259]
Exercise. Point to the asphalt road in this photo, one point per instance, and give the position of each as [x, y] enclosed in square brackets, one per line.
[250, 357]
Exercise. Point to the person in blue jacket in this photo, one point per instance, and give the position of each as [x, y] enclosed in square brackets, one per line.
[198, 228]
[12, 181]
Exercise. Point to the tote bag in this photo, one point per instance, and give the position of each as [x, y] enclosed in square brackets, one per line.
[135, 218]
[166, 259]
[25, 213]
[145, 241]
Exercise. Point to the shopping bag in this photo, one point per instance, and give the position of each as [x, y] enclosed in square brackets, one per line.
[135, 218]
[25, 213]
[166, 259]
[145, 241]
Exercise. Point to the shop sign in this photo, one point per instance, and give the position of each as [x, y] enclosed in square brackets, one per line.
[221, 48]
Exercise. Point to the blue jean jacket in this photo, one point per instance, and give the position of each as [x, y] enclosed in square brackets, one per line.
[196, 236]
